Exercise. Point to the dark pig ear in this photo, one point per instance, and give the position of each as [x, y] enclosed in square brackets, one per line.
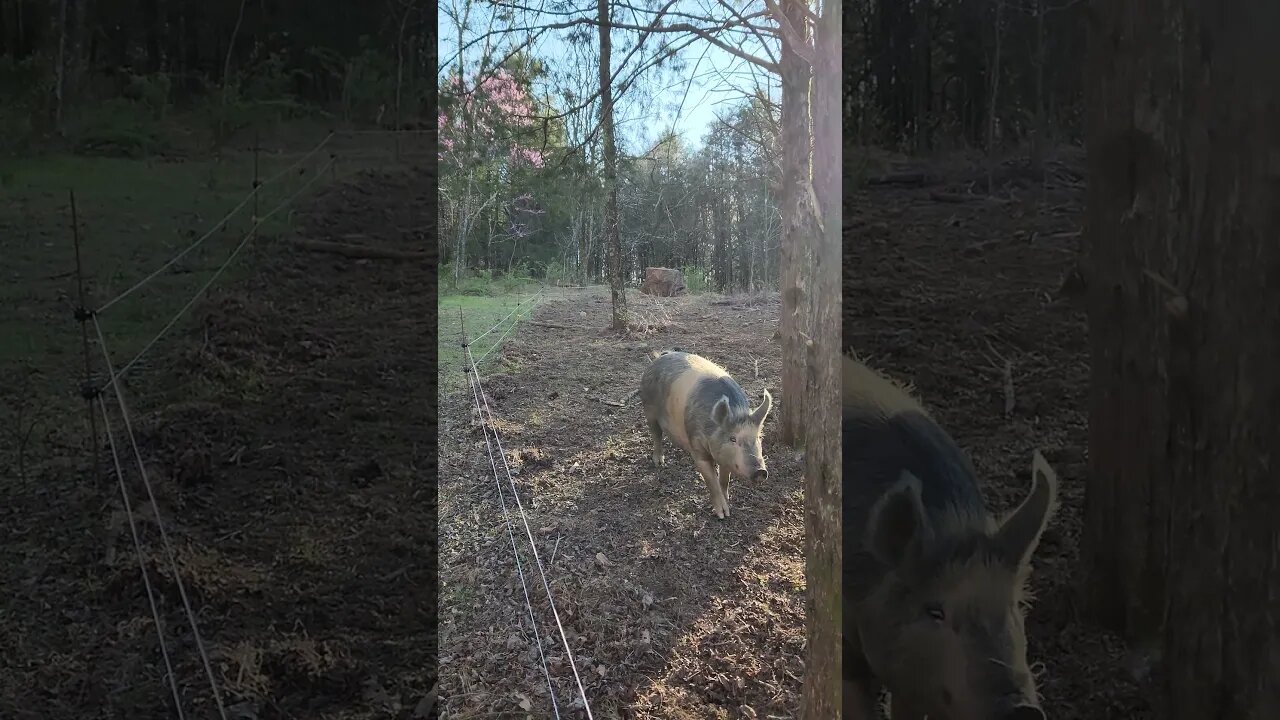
[1019, 534]
[720, 411]
[759, 414]
[897, 525]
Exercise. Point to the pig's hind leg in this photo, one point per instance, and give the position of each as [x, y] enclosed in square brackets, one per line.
[655, 432]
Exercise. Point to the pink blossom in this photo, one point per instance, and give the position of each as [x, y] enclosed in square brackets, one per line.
[529, 156]
[486, 112]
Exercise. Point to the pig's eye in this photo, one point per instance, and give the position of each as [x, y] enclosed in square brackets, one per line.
[935, 611]
[733, 438]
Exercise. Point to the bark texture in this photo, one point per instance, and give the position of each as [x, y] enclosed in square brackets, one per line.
[823, 569]
[613, 239]
[797, 192]
[1181, 549]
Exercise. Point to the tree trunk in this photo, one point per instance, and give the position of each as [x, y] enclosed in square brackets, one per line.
[404, 22]
[613, 240]
[821, 694]
[60, 73]
[992, 108]
[923, 83]
[222, 129]
[1038, 140]
[796, 158]
[721, 241]
[1181, 549]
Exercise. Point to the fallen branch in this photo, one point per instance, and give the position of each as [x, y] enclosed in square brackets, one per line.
[357, 251]
[552, 325]
[904, 178]
[1008, 388]
[617, 403]
[950, 197]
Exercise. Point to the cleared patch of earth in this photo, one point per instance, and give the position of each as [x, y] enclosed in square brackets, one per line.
[670, 613]
[286, 434]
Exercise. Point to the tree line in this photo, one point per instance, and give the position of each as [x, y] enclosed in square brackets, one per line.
[66, 64]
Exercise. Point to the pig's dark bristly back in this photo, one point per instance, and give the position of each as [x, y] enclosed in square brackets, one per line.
[708, 391]
[884, 432]
[661, 373]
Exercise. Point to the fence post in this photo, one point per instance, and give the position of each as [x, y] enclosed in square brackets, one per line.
[462, 324]
[82, 314]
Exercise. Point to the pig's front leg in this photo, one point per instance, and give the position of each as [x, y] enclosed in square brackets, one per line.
[708, 473]
[724, 488]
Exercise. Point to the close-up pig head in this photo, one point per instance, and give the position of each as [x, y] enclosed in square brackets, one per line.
[944, 630]
[737, 441]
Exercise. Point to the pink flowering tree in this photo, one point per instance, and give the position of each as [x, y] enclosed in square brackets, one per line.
[487, 121]
[487, 135]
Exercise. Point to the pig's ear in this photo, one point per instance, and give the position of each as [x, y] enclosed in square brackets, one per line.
[759, 414]
[720, 411]
[1019, 534]
[897, 525]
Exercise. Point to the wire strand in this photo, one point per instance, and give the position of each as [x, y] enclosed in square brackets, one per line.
[505, 335]
[537, 637]
[245, 241]
[164, 536]
[476, 339]
[214, 229]
[529, 533]
[142, 563]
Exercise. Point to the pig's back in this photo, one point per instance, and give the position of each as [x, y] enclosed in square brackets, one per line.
[885, 431]
[876, 450]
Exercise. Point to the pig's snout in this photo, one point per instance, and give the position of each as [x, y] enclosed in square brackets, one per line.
[760, 474]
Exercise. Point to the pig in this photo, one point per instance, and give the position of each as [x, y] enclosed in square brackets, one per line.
[933, 585]
[696, 404]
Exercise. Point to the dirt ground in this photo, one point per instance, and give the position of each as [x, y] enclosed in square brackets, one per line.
[670, 613]
[941, 289]
[288, 442]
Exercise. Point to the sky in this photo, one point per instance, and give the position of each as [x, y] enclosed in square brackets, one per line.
[690, 101]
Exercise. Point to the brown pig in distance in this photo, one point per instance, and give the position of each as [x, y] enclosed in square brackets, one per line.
[694, 402]
[933, 586]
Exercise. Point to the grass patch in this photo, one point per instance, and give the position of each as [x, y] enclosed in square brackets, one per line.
[480, 312]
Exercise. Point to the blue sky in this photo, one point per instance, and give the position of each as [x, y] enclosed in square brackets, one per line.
[689, 101]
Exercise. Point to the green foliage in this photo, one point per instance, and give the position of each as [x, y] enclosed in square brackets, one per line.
[118, 127]
[697, 280]
[555, 274]
[231, 109]
[484, 282]
[369, 84]
[26, 86]
[150, 91]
